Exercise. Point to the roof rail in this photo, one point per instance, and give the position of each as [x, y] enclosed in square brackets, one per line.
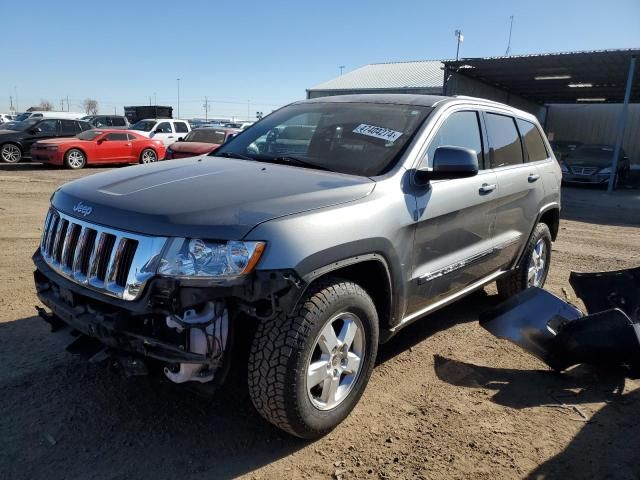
[467, 97]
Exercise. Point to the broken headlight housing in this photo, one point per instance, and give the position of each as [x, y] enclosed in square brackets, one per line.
[194, 257]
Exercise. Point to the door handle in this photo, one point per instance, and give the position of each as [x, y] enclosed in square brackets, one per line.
[486, 188]
[170, 136]
[533, 177]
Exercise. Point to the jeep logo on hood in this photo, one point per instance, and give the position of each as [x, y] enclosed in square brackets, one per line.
[82, 209]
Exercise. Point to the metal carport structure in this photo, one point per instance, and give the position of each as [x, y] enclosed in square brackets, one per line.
[600, 76]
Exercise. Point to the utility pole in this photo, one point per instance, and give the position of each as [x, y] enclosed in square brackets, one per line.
[149, 100]
[206, 108]
[508, 52]
[178, 97]
[11, 104]
[460, 36]
[341, 67]
[62, 104]
[15, 88]
[67, 103]
[248, 110]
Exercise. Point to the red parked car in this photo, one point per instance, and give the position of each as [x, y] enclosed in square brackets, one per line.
[98, 147]
[200, 142]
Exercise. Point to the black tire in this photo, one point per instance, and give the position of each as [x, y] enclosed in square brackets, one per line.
[75, 159]
[148, 155]
[283, 348]
[10, 153]
[518, 279]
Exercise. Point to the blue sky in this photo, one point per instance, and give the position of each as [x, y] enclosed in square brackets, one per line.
[266, 52]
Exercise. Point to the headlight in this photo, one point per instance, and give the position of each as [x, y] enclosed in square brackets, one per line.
[605, 171]
[564, 168]
[193, 257]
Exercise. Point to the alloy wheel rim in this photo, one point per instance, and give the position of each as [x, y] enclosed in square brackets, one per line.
[10, 153]
[336, 361]
[148, 157]
[76, 159]
[537, 264]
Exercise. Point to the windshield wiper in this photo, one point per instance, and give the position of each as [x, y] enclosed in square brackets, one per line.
[233, 155]
[299, 161]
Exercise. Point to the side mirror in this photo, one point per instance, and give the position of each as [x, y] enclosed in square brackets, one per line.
[180, 139]
[449, 163]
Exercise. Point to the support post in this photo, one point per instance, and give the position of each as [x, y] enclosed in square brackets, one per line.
[622, 120]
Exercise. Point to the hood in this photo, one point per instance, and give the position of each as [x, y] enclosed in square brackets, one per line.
[199, 148]
[210, 197]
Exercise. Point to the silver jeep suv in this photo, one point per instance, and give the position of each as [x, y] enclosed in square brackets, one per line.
[321, 230]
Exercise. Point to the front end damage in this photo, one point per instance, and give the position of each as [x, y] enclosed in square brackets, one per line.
[184, 328]
[560, 335]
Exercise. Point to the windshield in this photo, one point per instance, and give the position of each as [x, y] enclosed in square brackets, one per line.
[354, 138]
[89, 135]
[23, 116]
[143, 125]
[22, 126]
[592, 155]
[206, 135]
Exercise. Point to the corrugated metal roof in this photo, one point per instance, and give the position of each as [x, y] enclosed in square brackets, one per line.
[420, 74]
[565, 77]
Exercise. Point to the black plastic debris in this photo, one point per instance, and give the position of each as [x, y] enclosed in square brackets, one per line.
[560, 335]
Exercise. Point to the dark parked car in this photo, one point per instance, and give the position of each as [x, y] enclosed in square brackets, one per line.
[593, 164]
[340, 232]
[107, 121]
[200, 142]
[16, 141]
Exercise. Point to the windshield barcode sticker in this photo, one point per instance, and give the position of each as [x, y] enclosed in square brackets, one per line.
[377, 132]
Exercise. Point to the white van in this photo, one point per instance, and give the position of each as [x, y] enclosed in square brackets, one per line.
[66, 115]
[168, 130]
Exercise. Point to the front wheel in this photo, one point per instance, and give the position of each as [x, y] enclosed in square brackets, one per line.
[534, 265]
[75, 159]
[307, 371]
[10, 153]
[148, 156]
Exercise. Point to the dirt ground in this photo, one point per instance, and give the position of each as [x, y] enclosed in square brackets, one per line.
[447, 400]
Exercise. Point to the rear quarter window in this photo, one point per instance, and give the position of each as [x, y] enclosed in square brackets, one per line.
[533, 142]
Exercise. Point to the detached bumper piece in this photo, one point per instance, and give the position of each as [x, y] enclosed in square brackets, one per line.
[561, 335]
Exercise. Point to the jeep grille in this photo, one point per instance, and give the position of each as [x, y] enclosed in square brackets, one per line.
[109, 261]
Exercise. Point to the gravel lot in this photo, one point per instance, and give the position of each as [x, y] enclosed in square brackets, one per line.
[447, 400]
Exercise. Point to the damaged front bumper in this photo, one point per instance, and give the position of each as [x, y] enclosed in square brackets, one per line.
[561, 336]
[185, 325]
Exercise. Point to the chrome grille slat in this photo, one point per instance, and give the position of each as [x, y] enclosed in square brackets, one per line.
[103, 259]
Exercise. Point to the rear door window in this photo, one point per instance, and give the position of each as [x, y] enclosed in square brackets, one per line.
[534, 144]
[69, 127]
[506, 148]
[181, 127]
[118, 122]
[461, 129]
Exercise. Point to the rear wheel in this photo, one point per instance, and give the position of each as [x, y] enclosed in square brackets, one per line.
[10, 153]
[148, 156]
[307, 371]
[75, 159]
[534, 266]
